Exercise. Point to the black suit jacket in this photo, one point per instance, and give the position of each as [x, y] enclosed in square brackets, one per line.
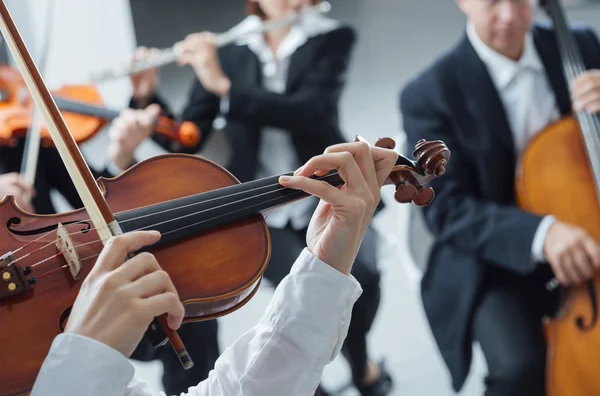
[474, 218]
[51, 174]
[308, 109]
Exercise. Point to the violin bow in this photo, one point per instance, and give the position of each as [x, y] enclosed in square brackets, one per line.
[34, 132]
[87, 188]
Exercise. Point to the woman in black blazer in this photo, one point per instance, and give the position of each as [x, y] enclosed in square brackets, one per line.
[279, 94]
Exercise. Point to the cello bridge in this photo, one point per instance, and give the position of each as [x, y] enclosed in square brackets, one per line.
[65, 245]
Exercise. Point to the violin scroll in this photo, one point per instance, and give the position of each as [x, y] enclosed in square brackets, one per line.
[432, 156]
[409, 176]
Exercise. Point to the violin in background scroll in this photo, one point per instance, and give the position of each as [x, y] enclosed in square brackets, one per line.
[559, 174]
[81, 107]
[215, 244]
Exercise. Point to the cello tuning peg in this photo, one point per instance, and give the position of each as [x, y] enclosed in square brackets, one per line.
[405, 193]
[424, 197]
[386, 142]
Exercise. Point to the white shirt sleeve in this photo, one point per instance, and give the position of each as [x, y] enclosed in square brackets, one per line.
[302, 330]
[537, 248]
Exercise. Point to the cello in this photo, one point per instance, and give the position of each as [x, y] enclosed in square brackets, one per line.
[563, 162]
[215, 243]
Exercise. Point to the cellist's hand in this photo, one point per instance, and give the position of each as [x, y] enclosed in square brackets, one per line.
[144, 84]
[118, 301]
[13, 184]
[585, 92]
[340, 221]
[128, 131]
[573, 254]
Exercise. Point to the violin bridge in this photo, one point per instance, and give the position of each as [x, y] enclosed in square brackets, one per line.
[65, 245]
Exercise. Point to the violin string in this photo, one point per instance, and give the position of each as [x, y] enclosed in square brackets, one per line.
[296, 192]
[152, 225]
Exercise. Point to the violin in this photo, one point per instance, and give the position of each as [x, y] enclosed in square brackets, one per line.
[563, 162]
[82, 110]
[215, 243]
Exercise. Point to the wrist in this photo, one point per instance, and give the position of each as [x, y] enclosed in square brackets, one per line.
[222, 87]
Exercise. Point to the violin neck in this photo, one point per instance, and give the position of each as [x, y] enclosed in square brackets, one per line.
[184, 217]
[85, 109]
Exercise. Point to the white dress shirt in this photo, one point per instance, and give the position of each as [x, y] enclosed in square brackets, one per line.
[276, 151]
[529, 103]
[301, 331]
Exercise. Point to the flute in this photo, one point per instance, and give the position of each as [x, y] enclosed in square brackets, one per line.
[169, 55]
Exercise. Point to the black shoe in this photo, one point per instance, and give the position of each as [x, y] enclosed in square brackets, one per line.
[381, 387]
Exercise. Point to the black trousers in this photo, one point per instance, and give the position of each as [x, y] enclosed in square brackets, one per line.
[287, 244]
[508, 326]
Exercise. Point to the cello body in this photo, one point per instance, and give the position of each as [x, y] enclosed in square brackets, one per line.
[555, 178]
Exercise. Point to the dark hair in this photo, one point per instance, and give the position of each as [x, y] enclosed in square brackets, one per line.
[254, 8]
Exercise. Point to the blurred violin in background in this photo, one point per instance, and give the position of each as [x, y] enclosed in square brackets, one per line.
[81, 107]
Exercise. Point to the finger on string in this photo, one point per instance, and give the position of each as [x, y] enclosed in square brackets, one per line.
[343, 162]
[585, 101]
[138, 266]
[117, 248]
[165, 303]
[384, 160]
[317, 188]
[361, 152]
[584, 86]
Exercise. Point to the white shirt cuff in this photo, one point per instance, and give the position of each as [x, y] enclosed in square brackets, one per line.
[114, 169]
[313, 305]
[70, 353]
[537, 248]
[224, 105]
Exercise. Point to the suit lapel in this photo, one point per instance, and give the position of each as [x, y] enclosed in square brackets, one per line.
[300, 61]
[481, 96]
[250, 74]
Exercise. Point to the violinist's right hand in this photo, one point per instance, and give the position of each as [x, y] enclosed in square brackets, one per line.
[573, 254]
[119, 299]
[144, 84]
[13, 184]
[128, 131]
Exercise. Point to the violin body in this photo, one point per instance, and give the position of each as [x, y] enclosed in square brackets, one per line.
[555, 178]
[16, 109]
[215, 272]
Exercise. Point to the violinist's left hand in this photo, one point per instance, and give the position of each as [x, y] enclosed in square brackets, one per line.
[585, 92]
[199, 50]
[340, 222]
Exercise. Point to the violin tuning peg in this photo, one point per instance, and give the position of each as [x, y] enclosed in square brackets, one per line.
[387, 143]
[424, 197]
[405, 193]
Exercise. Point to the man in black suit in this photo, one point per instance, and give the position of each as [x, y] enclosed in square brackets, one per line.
[485, 281]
